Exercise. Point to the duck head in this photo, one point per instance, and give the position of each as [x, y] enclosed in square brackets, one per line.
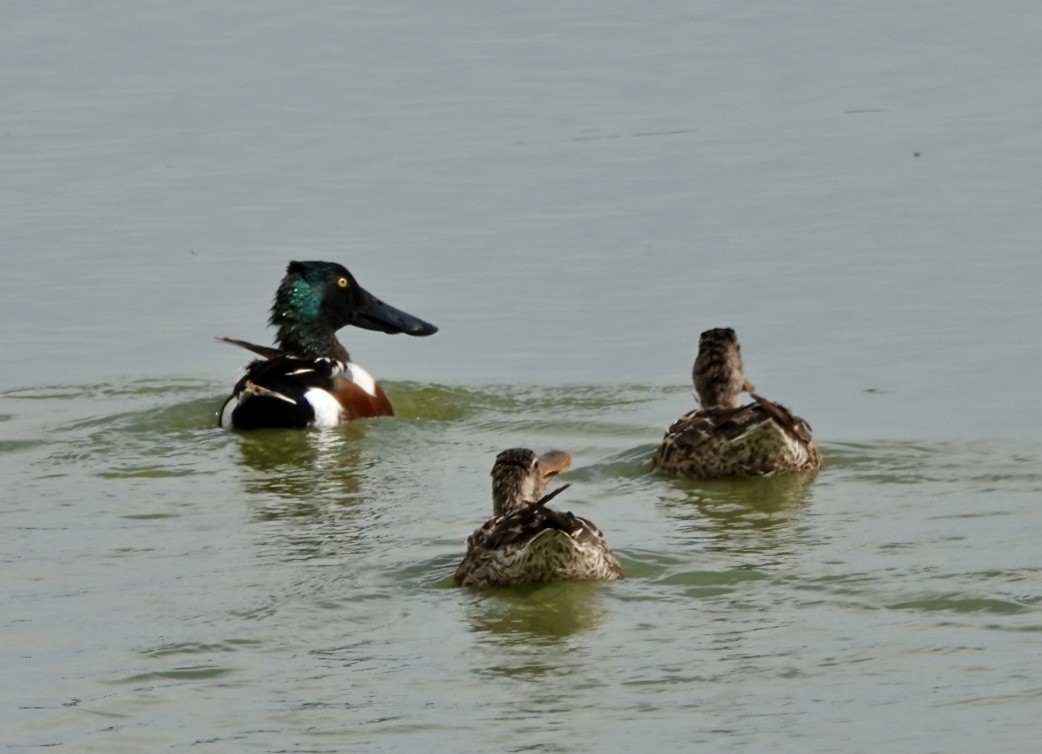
[718, 373]
[315, 299]
[519, 477]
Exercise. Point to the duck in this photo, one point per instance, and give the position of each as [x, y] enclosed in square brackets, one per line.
[725, 439]
[308, 378]
[526, 542]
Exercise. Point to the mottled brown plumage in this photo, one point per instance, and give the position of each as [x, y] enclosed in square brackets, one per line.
[725, 439]
[526, 542]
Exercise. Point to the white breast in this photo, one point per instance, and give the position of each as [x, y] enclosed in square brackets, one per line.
[328, 411]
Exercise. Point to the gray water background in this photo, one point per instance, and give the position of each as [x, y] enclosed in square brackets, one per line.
[572, 193]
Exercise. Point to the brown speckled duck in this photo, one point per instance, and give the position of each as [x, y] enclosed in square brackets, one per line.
[525, 542]
[724, 439]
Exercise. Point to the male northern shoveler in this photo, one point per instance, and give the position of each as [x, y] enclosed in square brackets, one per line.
[724, 439]
[525, 542]
[309, 380]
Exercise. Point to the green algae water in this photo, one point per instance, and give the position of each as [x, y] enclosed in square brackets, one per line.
[172, 585]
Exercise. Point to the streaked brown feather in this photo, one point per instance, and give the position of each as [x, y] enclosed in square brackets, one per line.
[532, 543]
[723, 439]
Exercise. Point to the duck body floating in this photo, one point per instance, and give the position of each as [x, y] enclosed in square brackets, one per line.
[308, 379]
[525, 542]
[726, 439]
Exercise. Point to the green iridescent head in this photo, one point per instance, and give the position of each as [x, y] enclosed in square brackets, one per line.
[315, 299]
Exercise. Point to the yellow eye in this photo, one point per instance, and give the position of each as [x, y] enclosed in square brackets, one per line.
[343, 282]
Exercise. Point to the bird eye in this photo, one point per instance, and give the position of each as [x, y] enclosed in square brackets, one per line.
[343, 282]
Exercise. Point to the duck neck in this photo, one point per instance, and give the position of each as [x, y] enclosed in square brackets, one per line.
[310, 342]
[512, 495]
[720, 396]
[719, 379]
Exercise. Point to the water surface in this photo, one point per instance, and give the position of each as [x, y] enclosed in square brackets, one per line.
[572, 196]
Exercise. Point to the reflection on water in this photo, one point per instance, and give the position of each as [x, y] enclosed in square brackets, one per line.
[541, 613]
[753, 520]
[760, 495]
[311, 494]
[305, 465]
